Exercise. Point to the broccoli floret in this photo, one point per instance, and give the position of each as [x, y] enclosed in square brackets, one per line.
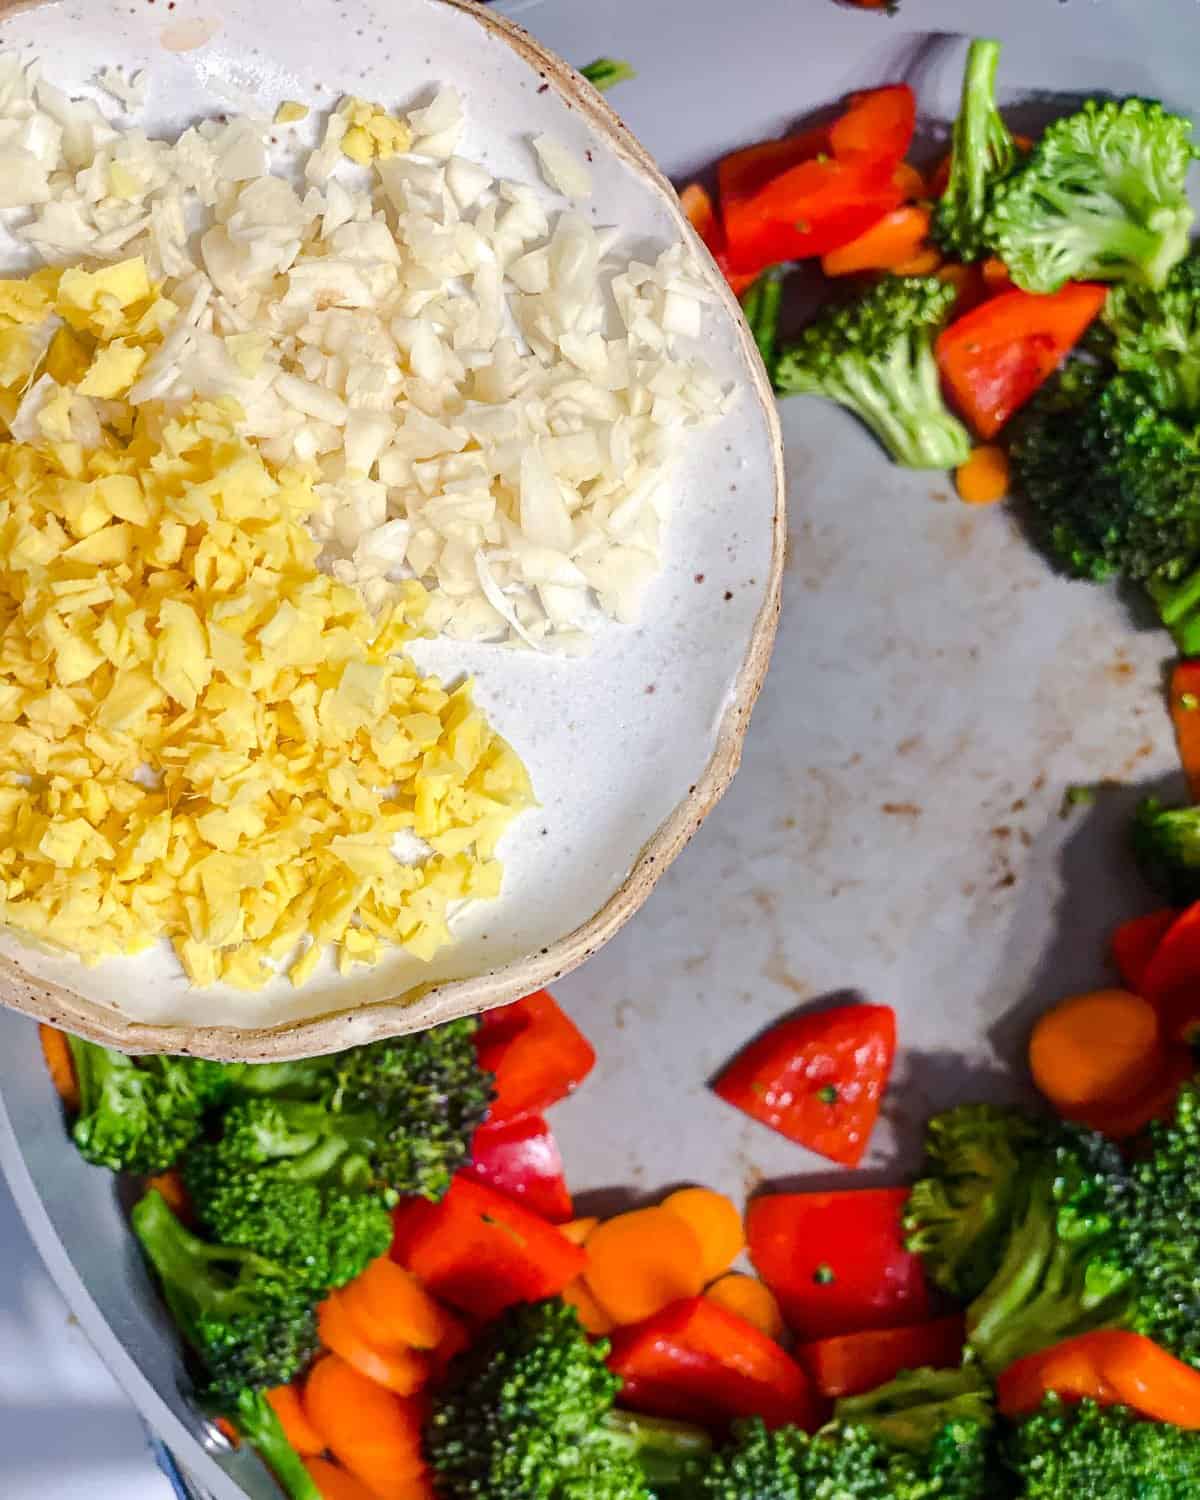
[1178, 605]
[431, 1096]
[258, 1425]
[1112, 485]
[910, 1411]
[295, 1196]
[1166, 842]
[848, 1461]
[136, 1114]
[249, 1321]
[1087, 1452]
[875, 357]
[982, 152]
[1160, 1230]
[1156, 336]
[527, 1414]
[1063, 1271]
[959, 1214]
[1102, 197]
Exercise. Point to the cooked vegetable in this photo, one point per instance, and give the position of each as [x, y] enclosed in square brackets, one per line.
[288, 1406]
[854, 1363]
[751, 1299]
[592, 1316]
[1156, 336]
[995, 357]
[638, 1262]
[1102, 197]
[1133, 945]
[399, 1370]
[1094, 1051]
[911, 1410]
[249, 1320]
[875, 357]
[959, 1213]
[257, 1423]
[1128, 1118]
[1113, 485]
[836, 1261]
[528, 1410]
[717, 1224]
[294, 1181]
[335, 1484]
[818, 1079]
[1185, 717]
[1080, 1451]
[536, 1052]
[887, 245]
[137, 1115]
[521, 1158]
[391, 1307]
[701, 1363]
[606, 72]
[56, 1051]
[857, 1460]
[761, 303]
[877, 128]
[1110, 1367]
[983, 152]
[984, 478]
[481, 1252]
[1170, 980]
[1166, 841]
[371, 1432]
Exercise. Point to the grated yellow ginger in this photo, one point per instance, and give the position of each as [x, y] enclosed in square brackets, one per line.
[202, 737]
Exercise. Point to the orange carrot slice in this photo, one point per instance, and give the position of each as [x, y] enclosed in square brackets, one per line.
[286, 1402]
[335, 1483]
[890, 242]
[639, 1262]
[591, 1314]
[390, 1306]
[402, 1371]
[984, 477]
[578, 1230]
[716, 1223]
[1101, 1048]
[371, 1432]
[750, 1299]
[57, 1052]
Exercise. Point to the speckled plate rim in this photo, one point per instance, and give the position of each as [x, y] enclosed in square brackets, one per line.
[423, 1006]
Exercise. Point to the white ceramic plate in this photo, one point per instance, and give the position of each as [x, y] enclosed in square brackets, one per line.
[628, 748]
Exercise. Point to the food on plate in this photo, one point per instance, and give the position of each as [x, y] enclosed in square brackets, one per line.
[432, 343]
[983, 152]
[1079, 1451]
[876, 358]
[1110, 1367]
[818, 1079]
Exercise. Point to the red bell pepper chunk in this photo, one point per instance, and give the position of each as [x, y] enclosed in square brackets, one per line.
[537, 1053]
[811, 209]
[1171, 980]
[878, 127]
[1185, 716]
[853, 1363]
[743, 173]
[1134, 943]
[818, 1079]
[700, 1362]
[480, 1251]
[521, 1159]
[836, 1261]
[995, 357]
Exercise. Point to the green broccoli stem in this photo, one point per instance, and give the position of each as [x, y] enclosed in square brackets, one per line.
[184, 1264]
[762, 303]
[1178, 606]
[665, 1451]
[903, 407]
[1120, 247]
[254, 1417]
